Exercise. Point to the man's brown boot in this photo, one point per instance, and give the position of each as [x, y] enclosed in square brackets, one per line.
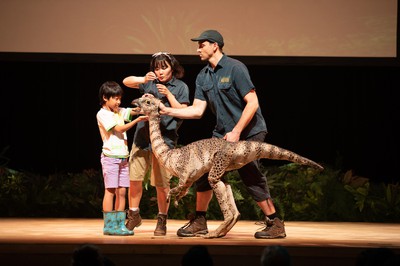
[196, 226]
[161, 228]
[273, 229]
[134, 219]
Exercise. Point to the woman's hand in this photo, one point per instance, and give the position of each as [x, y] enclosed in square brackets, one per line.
[163, 89]
[149, 77]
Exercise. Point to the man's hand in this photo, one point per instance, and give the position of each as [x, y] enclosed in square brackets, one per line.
[162, 108]
[232, 136]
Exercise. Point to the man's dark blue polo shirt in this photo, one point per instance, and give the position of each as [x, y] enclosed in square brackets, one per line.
[224, 89]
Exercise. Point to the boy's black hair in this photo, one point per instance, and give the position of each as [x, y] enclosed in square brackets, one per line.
[109, 89]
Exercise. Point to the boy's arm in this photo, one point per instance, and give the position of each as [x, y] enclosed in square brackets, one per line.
[127, 126]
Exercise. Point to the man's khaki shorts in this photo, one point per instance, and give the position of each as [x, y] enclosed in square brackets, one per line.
[140, 161]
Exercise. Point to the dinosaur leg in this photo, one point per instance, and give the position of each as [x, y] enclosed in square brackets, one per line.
[229, 222]
[232, 205]
[220, 192]
[223, 194]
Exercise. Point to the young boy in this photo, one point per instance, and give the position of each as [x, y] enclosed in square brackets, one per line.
[114, 157]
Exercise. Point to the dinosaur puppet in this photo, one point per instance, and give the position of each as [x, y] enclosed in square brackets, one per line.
[214, 156]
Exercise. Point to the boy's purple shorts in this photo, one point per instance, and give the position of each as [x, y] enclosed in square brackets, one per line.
[115, 171]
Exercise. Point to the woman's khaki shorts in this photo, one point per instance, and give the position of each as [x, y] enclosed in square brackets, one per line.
[141, 161]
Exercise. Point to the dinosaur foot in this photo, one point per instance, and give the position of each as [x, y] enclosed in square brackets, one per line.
[233, 222]
[224, 228]
[213, 234]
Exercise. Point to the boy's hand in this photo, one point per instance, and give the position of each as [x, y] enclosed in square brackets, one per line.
[142, 118]
[135, 111]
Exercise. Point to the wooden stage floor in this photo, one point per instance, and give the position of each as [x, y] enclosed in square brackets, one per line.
[51, 241]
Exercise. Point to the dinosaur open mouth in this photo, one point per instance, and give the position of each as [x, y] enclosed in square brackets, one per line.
[136, 105]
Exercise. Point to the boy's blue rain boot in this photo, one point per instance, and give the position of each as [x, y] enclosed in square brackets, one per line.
[120, 224]
[110, 227]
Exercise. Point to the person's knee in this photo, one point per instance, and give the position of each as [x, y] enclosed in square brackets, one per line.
[202, 184]
[258, 194]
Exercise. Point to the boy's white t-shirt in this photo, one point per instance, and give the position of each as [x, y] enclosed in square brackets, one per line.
[115, 144]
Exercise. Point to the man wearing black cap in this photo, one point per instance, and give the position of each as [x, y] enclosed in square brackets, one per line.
[224, 85]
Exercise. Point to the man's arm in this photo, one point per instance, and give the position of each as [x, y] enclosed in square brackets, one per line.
[194, 111]
[250, 109]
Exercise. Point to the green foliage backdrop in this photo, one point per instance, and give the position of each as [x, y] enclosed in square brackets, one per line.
[300, 194]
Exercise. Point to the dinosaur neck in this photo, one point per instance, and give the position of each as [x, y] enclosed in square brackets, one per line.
[158, 145]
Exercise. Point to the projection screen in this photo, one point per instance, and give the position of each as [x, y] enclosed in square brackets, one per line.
[339, 28]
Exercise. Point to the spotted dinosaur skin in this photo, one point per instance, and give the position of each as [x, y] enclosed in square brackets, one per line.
[214, 156]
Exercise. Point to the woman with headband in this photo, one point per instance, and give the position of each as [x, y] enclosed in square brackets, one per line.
[163, 81]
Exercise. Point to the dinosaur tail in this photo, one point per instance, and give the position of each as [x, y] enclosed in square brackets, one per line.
[276, 153]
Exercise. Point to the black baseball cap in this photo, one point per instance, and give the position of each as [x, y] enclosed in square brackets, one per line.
[211, 36]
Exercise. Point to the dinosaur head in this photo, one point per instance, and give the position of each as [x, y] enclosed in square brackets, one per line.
[148, 104]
